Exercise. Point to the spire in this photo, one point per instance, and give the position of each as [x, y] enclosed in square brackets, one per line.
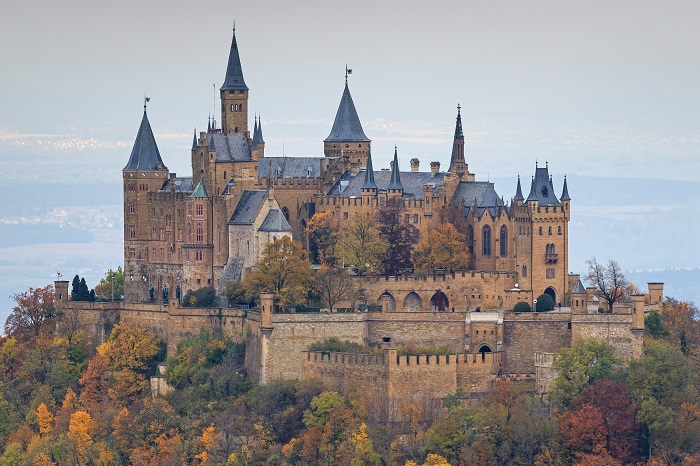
[532, 196]
[347, 126]
[145, 154]
[194, 140]
[260, 135]
[234, 72]
[209, 124]
[369, 174]
[395, 182]
[255, 133]
[519, 192]
[458, 128]
[565, 192]
[457, 158]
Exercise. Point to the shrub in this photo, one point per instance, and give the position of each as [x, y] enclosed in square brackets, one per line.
[410, 350]
[522, 306]
[333, 345]
[203, 297]
[544, 303]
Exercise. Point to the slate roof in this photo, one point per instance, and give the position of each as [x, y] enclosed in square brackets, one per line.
[234, 72]
[395, 182]
[248, 207]
[347, 126]
[275, 222]
[194, 140]
[182, 185]
[565, 192]
[519, 192]
[541, 189]
[145, 154]
[291, 166]
[230, 147]
[369, 174]
[484, 193]
[200, 190]
[412, 183]
[578, 289]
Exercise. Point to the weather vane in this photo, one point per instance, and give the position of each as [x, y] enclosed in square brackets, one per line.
[347, 72]
[145, 101]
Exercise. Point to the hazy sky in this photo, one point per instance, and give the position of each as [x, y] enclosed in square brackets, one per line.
[597, 87]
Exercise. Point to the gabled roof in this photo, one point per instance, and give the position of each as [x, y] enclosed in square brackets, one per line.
[349, 184]
[230, 147]
[145, 154]
[519, 192]
[200, 190]
[578, 289]
[248, 207]
[346, 126]
[395, 182]
[467, 192]
[234, 72]
[565, 192]
[369, 174]
[275, 222]
[291, 166]
[541, 189]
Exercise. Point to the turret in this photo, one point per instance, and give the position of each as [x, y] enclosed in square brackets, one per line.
[347, 139]
[258, 143]
[395, 187]
[369, 187]
[457, 166]
[234, 94]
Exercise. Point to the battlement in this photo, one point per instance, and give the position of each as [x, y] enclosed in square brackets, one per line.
[403, 360]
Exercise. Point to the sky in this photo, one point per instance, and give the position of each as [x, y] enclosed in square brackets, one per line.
[596, 88]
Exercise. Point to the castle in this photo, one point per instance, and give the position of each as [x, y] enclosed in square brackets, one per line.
[184, 233]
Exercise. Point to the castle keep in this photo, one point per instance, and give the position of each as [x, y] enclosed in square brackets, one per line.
[186, 232]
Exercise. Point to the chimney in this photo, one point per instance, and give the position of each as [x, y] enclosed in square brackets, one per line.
[414, 165]
[173, 177]
[434, 167]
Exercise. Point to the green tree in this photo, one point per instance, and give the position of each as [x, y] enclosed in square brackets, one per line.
[578, 366]
[112, 285]
[654, 325]
[283, 270]
[361, 245]
[544, 303]
[236, 293]
[399, 235]
[522, 306]
[202, 297]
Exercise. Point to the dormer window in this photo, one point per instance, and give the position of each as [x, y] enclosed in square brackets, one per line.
[545, 191]
[309, 170]
[278, 171]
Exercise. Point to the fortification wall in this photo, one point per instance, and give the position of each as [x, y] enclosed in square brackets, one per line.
[614, 329]
[478, 372]
[422, 376]
[366, 374]
[417, 328]
[526, 333]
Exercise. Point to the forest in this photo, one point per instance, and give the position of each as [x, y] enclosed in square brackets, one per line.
[64, 401]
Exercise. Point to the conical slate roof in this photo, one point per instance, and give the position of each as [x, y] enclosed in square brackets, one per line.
[542, 190]
[369, 174]
[194, 140]
[519, 192]
[395, 182]
[347, 127]
[234, 72]
[565, 192]
[145, 154]
[459, 137]
[200, 190]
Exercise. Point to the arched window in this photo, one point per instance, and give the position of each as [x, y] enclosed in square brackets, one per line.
[224, 175]
[200, 233]
[540, 231]
[470, 239]
[550, 231]
[504, 241]
[559, 230]
[486, 240]
[524, 271]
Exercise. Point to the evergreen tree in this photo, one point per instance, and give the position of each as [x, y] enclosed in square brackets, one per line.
[75, 291]
[83, 292]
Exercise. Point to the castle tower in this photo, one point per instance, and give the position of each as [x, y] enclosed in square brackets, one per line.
[578, 299]
[347, 140]
[143, 174]
[457, 166]
[395, 188]
[234, 95]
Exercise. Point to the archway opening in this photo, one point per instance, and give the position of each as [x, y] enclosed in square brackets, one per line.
[412, 302]
[552, 294]
[391, 302]
[483, 350]
[439, 302]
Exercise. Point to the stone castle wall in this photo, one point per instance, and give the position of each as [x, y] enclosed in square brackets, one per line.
[527, 333]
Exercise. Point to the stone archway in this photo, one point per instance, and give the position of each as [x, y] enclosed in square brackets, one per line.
[483, 349]
[552, 294]
[412, 303]
[439, 302]
[391, 302]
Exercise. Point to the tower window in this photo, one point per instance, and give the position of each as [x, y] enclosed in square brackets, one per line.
[549, 232]
[559, 230]
[199, 210]
[200, 233]
[503, 244]
[132, 208]
[486, 240]
[524, 271]
[540, 231]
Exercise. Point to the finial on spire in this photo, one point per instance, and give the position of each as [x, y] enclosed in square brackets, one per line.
[145, 101]
[347, 72]
[459, 109]
[234, 26]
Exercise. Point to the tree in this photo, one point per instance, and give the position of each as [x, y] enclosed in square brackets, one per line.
[680, 320]
[45, 419]
[80, 432]
[399, 235]
[202, 297]
[522, 306]
[33, 309]
[283, 270]
[653, 324]
[236, 293]
[578, 366]
[112, 285]
[544, 303]
[361, 245]
[323, 233]
[333, 284]
[442, 248]
[609, 281]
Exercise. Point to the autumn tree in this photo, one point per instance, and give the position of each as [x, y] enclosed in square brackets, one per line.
[399, 235]
[283, 270]
[33, 308]
[80, 432]
[608, 280]
[442, 248]
[45, 419]
[323, 233]
[333, 284]
[112, 285]
[682, 324]
[361, 244]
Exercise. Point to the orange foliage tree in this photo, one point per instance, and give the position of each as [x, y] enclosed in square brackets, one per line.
[442, 248]
[33, 309]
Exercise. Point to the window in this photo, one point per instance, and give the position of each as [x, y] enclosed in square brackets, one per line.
[470, 239]
[154, 253]
[486, 240]
[132, 253]
[162, 253]
[198, 256]
[132, 231]
[540, 231]
[153, 233]
[427, 200]
[200, 232]
[199, 210]
[224, 175]
[189, 209]
[179, 254]
[559, 230]
[415, 218]
[170, 253]
[162, 234]
[549, 232]
[168, 220]
[179, 234]
[503, 241]
[408, 218]
[524, 271]
[345, 215]
[132, 208]
[233, 108]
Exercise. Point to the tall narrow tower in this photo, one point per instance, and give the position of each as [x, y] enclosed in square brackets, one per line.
[234, 95]
[457, 166]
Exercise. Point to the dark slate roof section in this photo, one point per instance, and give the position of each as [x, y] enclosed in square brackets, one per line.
[234, 72]
[395, 182]
[200, 190]
[458, 127]
[413, 182]
[230, 147]
[347, 126]
[494, 211]
[578, 289]
[519, 192]
[261, 140]
[283, 167]
[194, 140]
[481, 191]
[565, 192]
[145, 154]
[542, 190]
[369, 174]
[182, 185]
[248, 207]
[275, 222]
[254, 143]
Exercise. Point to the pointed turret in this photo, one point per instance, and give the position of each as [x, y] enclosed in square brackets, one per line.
[194, 140]
[255, 133]
[565, 192]
[518, 192]
[369, 175]
[395, 182]
[261, 140]
[200, 190]
[532, 196]
[145, 154]
[347, 126]
[234, 71]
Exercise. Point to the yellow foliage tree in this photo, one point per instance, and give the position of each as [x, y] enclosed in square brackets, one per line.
[442, 248]
[435, 460]
[364, 453]
[42, 459]
[45, 419]
[207, 441]
[80, 431]
[323, 233]
[361, 244]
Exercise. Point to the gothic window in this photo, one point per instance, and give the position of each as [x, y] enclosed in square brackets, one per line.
[179, 234]
[189, 233]
[486, 240]
[179, 254]
[559, 230]
[153, 233]
[198, 256]
[161, 235]
[201, 160]
[132, 208]
[285, 212]
[524, 271]
[162, 253]
[200, 233]
[132, 231]
[154, 253]
[168, 220]
[540, 231]
[503, 241]
[132, 253]
[470, 239]
[199, 210]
